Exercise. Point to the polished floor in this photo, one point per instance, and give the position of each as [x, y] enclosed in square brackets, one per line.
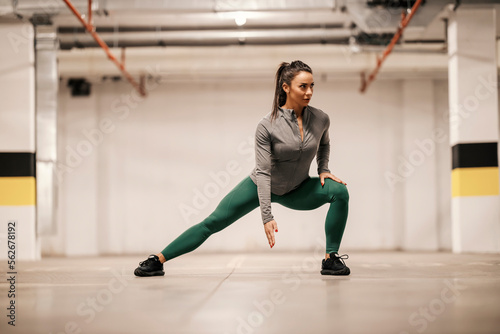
[387, 292]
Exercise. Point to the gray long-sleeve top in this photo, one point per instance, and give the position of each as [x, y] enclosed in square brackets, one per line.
[282, 159]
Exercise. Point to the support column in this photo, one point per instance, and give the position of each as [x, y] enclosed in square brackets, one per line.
[17, 142]
[47, 82]
[473, 98]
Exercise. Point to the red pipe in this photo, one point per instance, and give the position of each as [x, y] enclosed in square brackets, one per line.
[89, 27]
[404, 22]
[90, 12]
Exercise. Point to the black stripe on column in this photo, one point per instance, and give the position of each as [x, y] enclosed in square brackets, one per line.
[17, 164]
[474, 155]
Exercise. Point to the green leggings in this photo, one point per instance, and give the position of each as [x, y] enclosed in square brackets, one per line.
[243, 199]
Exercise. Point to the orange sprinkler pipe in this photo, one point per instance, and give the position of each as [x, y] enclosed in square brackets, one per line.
[90, 28]
[90, 13]
[405, 20]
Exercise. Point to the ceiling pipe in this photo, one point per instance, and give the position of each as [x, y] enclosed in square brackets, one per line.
[90, 28]
[90, 14]
[210, 37]
[405, 20]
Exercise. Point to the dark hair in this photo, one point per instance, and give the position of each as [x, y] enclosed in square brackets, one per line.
[285, 74]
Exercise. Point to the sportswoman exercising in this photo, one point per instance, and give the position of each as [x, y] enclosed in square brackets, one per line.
[286, 141]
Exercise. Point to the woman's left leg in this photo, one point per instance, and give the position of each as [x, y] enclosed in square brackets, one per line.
[311, 195]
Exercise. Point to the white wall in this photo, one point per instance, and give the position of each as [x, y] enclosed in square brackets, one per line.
[124, 192]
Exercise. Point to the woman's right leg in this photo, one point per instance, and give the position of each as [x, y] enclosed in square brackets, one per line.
[237, 203]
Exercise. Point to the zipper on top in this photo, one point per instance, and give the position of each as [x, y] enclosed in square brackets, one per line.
[301, 142]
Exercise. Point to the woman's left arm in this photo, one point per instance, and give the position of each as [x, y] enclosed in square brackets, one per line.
[323, 156]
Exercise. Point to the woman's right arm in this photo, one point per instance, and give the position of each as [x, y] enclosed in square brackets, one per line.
[263, 175]
[263, 171]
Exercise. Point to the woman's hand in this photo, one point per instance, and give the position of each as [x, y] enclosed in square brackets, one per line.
[324, 176]
[270, 227]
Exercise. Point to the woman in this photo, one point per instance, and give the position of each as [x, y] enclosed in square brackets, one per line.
[286, 141]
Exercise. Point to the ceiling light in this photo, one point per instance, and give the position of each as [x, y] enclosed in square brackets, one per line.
[240, 19]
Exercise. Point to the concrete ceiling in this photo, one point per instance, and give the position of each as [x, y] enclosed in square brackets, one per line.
[346, 35]
[176, 22]
[128, 23]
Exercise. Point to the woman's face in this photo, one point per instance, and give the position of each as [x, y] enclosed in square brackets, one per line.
[300, 90]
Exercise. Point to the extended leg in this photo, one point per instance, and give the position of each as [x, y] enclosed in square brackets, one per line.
[237, 203]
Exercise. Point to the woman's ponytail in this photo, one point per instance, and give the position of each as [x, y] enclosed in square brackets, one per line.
[279, 93]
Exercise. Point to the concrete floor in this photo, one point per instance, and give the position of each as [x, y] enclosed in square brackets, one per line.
[387, 292]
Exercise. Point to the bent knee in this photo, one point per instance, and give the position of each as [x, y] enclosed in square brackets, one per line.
[338, 191]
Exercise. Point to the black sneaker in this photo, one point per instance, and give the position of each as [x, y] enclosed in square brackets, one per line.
[150, 267]
[335, 265]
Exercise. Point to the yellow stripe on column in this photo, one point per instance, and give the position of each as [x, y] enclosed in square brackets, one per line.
[18, 190]
[478, 181]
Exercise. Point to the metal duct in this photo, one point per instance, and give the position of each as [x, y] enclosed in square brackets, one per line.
[28, 8]
[387, 18]
[210, 38]
[384, 18]
[46, 127]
